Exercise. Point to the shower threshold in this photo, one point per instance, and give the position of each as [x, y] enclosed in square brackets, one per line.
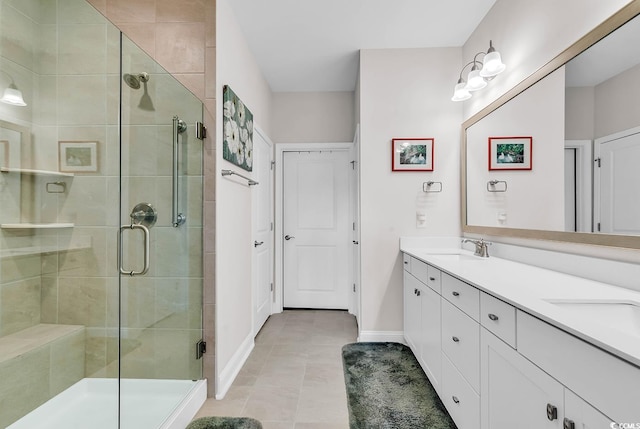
[145, 404]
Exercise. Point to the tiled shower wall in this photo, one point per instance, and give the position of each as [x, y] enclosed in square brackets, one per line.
[180, 36]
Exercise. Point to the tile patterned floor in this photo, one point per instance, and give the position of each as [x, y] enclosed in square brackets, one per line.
[293, 379]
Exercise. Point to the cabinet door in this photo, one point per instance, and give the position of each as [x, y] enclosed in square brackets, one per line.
[430, 338]
[580, 415]
[515, 393]
[412, 319]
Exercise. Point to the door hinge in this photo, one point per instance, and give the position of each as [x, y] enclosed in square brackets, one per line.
[599, 161]
[201, 348]
[598, 226]
[353, 165]
[354, 287]
[273, 164]
[271, 226]
[271, 287]
[354, 226]
[201, 131]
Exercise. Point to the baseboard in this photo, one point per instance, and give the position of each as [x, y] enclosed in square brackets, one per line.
[230, 371]
[381, 337]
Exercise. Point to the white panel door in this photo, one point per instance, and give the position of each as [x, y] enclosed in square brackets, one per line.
[317, 239]
[262, 231]
[619, 209]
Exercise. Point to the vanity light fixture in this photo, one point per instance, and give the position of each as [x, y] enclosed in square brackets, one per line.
[481, 72]
[12, 95]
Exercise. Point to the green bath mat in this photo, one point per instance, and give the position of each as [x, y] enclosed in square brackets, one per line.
[224, 423]
[386, 388]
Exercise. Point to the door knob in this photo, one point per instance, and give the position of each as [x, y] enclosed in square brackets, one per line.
[288, 237]
[357, 242]
[258, 243]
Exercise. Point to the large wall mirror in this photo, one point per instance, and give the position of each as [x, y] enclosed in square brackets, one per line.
[558, 157]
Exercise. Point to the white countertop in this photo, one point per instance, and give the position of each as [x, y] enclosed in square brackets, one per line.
[529, 288]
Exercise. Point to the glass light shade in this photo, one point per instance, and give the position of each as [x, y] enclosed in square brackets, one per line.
[460, 93]
[492, 65]
[13, 96]
[475, 81]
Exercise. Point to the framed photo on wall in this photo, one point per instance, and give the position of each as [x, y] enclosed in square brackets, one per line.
[78, 156]
[412, 154]
[510, 153]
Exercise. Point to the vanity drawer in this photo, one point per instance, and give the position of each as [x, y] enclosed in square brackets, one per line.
[406, 262]
[462, 295]
[433, 280]
[461, 342]
[498, 317]
[420, 270]
[607, 382]
[426, 274]
[459, 398]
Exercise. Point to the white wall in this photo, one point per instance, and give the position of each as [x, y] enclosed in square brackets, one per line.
[617, 103]
[403, 94]
[528, 34]
[311, 117]
[237, 68]
[579, 113]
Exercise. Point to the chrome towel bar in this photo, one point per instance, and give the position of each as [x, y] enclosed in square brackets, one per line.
[250, 181]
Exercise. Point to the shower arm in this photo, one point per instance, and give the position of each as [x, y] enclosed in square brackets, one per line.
[179, 126]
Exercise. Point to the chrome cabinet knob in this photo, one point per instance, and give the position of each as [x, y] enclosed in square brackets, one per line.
[455, 339]
[493, 317]
[454, 293]
[568, 424]
[552, 412]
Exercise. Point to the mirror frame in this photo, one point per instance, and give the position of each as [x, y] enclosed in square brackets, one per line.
[617, 20]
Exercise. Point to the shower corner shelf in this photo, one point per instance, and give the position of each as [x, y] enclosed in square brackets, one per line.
[36, 225]
[35, 172]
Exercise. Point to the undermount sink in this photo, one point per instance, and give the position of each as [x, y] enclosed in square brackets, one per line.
[457, 257]
[619, 315]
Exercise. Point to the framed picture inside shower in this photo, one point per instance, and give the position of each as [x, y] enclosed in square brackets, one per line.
[510, 153]
[412, 154]
[237, 146]
[78, 156]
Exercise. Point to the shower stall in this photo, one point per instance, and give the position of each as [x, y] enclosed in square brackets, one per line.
[101, 181]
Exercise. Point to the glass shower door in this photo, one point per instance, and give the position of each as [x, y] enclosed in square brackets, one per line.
[160, 241]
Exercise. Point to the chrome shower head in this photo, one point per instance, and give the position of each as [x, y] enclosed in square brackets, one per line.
[133, 80]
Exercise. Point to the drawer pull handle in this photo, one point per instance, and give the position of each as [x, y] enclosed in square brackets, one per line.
[454, 293]
[455, 339]
[552, 412]
[433, 279]
[455, 399]
[568, 424]
[493, 317]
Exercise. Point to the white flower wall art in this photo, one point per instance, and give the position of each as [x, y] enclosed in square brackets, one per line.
[237, 146]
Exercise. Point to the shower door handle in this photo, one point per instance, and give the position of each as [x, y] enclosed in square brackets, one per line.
[179, 126]
[145, 232]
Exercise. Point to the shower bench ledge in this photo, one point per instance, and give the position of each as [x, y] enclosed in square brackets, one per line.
[32, 338]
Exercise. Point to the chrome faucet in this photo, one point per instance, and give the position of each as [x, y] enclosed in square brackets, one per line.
[481, 246]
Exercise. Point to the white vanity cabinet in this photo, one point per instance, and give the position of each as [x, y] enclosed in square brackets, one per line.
[495, 366]
[515, 393]
[422, 316]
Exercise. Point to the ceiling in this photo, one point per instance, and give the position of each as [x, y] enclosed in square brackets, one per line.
[312, 45]
[609, 57]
